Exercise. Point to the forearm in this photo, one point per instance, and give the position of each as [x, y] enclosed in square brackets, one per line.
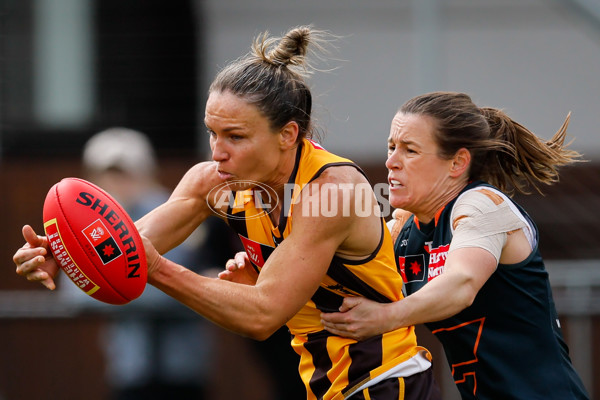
[466, 271]
[443, 297]
[169, 224]
[238, 308]
[164, 226]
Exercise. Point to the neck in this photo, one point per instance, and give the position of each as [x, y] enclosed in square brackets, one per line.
[432, 207]
[284, 170]
[273, 190]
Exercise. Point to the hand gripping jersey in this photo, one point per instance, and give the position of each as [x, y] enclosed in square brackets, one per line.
[330, 366]
[508, 344]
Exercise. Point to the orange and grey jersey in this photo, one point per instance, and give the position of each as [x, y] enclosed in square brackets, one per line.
[331, 367]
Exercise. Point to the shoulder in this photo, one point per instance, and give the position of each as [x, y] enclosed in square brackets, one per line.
[343, 185]
[204, 171]
[341, 174]
[201, 182]
[482, 199]
[486, 204]
[399, 218]
[333, 195]
[339, 209]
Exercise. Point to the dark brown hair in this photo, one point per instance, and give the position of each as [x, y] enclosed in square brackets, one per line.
[503, 152]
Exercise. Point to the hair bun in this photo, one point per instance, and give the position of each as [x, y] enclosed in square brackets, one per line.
[291, 49]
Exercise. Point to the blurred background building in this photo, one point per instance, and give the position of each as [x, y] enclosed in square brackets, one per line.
[70, 68]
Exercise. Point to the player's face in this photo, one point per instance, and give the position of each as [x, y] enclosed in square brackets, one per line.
[416, 174]
[241, 140]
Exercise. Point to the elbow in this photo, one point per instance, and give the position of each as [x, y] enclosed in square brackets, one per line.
[261, 328]
[466, 297]
[466, 302]
[260, 335]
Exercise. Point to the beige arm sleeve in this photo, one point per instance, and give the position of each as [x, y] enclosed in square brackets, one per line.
[482, 218]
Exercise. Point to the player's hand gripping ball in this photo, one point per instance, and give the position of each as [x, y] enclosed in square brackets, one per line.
[94, 241]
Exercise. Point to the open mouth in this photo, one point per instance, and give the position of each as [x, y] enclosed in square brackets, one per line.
[224, 175]
[394, 184]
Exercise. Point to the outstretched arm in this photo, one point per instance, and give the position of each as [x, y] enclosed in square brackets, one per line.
[487, 231]
[169, 224]
[288, 279]
[189, 208]
[466, 271]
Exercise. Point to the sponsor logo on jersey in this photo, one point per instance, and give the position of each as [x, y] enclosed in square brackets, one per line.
[437, 261]
[412, 268]
[257, 252]
[105, 245]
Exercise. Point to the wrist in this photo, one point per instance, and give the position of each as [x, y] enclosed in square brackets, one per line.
[397, 314]
[158, 270]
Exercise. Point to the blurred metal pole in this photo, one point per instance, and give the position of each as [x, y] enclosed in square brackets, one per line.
[428, 30]
[576, 289]
[579, 329]
[579, 332]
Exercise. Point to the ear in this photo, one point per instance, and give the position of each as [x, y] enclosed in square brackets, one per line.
[288, 135]
[460, 163]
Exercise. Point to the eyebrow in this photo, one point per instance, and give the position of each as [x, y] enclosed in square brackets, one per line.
[227, 129]
[405, 142]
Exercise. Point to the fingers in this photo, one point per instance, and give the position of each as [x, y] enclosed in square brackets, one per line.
[241, 258]
[225, 275]
[31, 268]
[340, 327]
[25, 254]
[230, 265]
[336, 318]
[31, 259]
[349, 303]
[32, 254]
[237, 262]
[31, 237]
[43, 278]
[341, 321]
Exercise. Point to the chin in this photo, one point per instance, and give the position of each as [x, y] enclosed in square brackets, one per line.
[396, 201]
[237, 185]
[402, 203]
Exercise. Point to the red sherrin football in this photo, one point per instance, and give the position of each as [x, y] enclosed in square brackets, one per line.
[94, 241]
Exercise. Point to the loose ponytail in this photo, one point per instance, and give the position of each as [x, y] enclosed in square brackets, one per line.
[529, 161]
[503, 152]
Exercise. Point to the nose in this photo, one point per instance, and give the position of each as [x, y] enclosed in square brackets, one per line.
[219, 153]
[393, 161]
